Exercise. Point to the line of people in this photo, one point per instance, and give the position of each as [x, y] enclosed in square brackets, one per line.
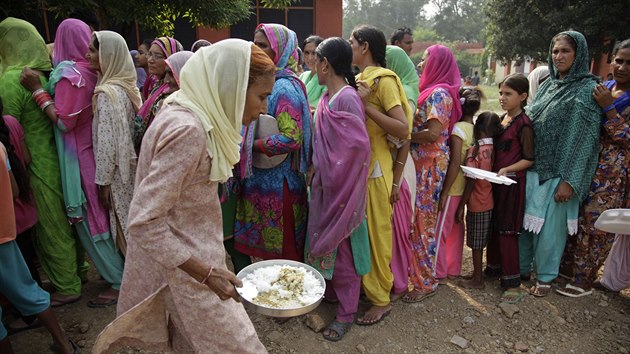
[360, 177]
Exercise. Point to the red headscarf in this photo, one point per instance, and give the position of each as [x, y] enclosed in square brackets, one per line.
[440, 70]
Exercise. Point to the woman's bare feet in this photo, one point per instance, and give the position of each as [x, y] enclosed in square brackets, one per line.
[374, 315]
[472, 283]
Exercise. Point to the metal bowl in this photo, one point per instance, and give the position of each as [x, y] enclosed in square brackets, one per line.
[274, 312]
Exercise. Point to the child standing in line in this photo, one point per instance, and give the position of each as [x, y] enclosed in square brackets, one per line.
[478, 195]
[450, 233]
[514, 154]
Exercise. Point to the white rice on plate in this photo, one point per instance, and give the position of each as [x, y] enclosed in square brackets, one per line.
[281, 287]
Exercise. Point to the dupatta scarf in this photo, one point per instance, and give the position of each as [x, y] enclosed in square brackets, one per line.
[566, 121]
[288, 90]
[117, 69]
[146, 113]
[341, 158]
[176, 63]
[214, 87]
[71, 43]
[20, 46]
[441, 70]
[400, 63]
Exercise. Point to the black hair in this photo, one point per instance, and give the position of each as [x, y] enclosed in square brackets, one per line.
[147, 42]
[376, 41]
[566, 37]
[470, 106]
[625, 44]
[519, 83]
[399, 34]
[18, 170]
[488, 123]
[96, 43]
[338, 52]
[315, 39]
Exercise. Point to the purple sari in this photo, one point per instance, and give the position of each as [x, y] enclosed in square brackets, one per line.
[341, 159]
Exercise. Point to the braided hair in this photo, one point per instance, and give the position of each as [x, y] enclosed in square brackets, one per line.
[338, 52]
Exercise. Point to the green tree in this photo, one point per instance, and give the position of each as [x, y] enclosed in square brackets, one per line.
[526, 29]
[459, 20]
[158, 15]
[386, 15]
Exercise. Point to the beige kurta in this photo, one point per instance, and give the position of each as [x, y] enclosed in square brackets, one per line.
[106, 150]
[176, 214]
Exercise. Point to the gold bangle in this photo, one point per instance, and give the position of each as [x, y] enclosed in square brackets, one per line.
[395, 185]
[401, 163]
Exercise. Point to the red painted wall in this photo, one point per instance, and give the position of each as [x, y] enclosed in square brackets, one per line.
[328, 18]
[328, 22]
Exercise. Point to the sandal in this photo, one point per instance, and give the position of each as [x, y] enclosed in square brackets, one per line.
[574, 291]
[362, 321]
[417, 296]
[336, 330]
[540, 289]
[512, 296]
[104, 299]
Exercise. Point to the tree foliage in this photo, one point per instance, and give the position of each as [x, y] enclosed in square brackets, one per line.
[157, 15]
[459, 20]
[386, 15]
[516, 29]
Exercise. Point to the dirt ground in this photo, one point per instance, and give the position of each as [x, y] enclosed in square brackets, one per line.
[556, 324]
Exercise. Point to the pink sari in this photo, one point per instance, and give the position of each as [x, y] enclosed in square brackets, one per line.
[341, 155]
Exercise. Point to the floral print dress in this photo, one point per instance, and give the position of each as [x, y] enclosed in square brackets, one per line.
[271, 214]
[431, 161]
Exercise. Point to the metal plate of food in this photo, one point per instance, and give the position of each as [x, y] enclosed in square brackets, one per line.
[281, 288]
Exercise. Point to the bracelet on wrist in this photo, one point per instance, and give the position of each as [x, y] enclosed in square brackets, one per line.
[400, 163]
[609, 108]
[37, 92]
[395, 185]
[205, 279]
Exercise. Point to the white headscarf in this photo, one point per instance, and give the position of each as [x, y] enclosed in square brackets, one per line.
[213, 84]
[176, 62]
[534, 81]
[117, 69]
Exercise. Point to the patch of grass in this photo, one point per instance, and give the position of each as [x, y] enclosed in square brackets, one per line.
[491, 103]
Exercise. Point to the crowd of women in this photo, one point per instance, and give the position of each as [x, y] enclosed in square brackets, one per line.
[155, 164]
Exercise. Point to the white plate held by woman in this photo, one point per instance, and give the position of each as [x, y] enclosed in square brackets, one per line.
[478, 173]
[615, 221]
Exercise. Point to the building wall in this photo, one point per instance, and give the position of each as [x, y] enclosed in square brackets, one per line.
[322, 17]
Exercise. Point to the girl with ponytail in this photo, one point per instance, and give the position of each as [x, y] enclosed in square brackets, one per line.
[338, 236]
[388, 119]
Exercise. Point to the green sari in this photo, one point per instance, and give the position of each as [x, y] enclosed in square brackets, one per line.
[20, 46]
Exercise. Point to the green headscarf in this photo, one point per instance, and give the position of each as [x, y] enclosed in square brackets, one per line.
[566, 121]
[20, 46]
[314, 90]
[399, 62]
